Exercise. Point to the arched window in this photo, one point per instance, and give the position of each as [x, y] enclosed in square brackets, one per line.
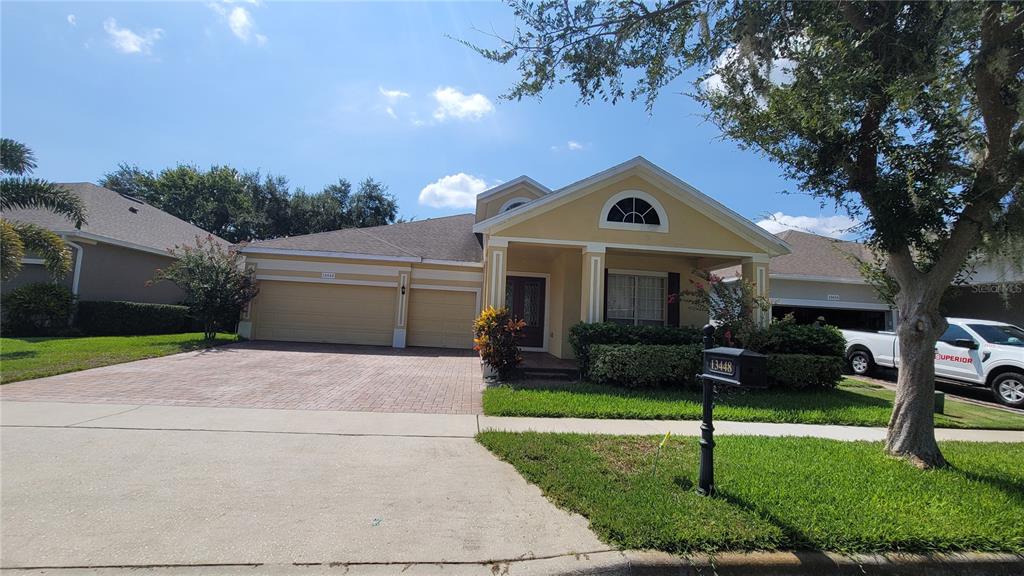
[634, 210]
[513, 203]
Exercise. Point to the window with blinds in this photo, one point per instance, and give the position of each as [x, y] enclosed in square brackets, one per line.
[636, 299]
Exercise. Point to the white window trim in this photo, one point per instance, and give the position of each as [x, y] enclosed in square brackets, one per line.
[650, 273]
[508, 203]
[547, 305]
[615, 198]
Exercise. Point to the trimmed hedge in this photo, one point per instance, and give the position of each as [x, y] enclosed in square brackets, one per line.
[644, 365]
[40, 309]
[583, 335]
[802, 371]
[130, 318]
[787, 337]
[649, 365]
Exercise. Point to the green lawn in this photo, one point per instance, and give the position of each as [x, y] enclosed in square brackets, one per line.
[854, 403]
[25, 358]
[777, 493]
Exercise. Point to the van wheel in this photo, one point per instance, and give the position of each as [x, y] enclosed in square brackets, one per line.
[861, 362]
[1009, 389]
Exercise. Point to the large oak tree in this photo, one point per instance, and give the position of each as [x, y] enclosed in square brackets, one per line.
[906, 114]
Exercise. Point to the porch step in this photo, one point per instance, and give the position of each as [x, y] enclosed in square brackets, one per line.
[551, 373]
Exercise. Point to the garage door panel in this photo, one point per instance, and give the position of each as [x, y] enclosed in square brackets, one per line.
[310, 312]
[441, 318]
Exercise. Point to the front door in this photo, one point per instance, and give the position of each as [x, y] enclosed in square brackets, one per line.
[524, 296]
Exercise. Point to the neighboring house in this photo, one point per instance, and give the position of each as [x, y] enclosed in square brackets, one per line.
[820, 278]
[116, 252]
[612, 246]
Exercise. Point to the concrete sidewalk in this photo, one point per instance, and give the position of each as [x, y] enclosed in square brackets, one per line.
[122, 416]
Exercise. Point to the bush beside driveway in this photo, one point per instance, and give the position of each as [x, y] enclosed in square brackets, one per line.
[853, 403]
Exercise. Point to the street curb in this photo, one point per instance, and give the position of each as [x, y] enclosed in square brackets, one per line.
[824, 563]
[607, 563]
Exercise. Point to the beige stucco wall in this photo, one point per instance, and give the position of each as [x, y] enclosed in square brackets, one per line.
[109, 272]
[578, 220]
[804, 290]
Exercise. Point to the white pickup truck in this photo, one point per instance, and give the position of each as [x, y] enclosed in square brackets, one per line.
[972, 352]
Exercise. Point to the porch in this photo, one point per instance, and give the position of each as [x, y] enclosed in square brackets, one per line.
[553, 286]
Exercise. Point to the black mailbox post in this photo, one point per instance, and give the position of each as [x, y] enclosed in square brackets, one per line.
[734, 367]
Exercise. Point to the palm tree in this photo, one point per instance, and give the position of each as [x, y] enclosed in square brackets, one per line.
[17, 190]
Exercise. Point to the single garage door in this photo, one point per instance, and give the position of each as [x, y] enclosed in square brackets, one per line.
[310, 312]
[440, 318]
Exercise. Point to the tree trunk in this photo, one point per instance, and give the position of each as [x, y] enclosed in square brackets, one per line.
[911, 432]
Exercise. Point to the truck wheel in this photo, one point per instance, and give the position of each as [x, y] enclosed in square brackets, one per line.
[1009, 389]
[861, 362]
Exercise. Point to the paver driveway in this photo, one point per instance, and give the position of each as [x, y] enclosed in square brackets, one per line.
[279, 375]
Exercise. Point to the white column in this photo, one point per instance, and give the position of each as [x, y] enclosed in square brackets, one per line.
[497, 268]
[401, 310]
[592, 285]
[755, 271]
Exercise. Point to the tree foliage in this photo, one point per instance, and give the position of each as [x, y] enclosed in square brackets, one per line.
[216, 287]
[19, 191]
[905, 114]
[241, 206]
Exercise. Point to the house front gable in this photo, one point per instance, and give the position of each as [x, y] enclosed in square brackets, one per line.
[509, 195]
[678, 217]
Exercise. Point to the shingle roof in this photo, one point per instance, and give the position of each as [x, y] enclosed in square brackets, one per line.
[814, 255]
[447, 238]
[111, 215]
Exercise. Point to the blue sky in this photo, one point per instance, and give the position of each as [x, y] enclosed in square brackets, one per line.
[318, 91]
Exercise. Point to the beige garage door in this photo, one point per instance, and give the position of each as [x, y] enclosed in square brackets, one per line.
[309, 312]
[440, 318]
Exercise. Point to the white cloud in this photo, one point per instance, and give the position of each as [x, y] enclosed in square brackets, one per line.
[451, 103]
[574, 145]
[834, 226]
[392, 95]
[72, 19]
[128, 42]
[240, 21]
[571, 146]
[453, 191]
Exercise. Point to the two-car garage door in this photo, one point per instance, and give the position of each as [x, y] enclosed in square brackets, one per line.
[313, 312]
[350, 314]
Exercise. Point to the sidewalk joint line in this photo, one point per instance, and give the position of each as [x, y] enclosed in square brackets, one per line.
[104, 416]
[298, 433]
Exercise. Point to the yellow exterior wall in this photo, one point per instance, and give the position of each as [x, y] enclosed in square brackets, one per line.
[491, 206]
[578, 220]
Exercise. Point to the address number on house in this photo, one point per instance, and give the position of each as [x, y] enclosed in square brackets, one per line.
[327, 275]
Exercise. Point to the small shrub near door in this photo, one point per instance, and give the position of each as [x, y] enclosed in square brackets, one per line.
[37, 310]
[804, 371]
[496, 333]
[644, 365]
[130, 318]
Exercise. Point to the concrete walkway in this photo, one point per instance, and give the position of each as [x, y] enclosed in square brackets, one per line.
[144, 417]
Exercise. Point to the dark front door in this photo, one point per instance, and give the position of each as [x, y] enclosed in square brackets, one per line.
[524, 296]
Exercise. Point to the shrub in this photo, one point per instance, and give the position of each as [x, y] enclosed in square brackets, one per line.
[643, 365]
[40, 309]
[788, 337]
[495, 333]
[216, 287]
[802, 371]
[583, 335]
[130, 318]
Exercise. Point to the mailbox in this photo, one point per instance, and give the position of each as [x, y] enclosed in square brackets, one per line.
[736, 367]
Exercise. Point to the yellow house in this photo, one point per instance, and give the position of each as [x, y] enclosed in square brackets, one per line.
[612, 247]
